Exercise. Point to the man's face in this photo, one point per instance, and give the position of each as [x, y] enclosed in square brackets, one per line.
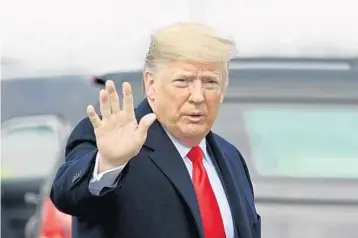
[186, 96]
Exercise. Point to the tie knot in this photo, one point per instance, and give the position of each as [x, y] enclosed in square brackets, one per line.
[195, 154]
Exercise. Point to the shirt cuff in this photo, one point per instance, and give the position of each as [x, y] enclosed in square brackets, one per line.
[97, 176]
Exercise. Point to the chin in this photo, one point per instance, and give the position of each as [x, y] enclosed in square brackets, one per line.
[195, 130]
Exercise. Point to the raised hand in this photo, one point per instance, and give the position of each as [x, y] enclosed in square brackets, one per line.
[119, 137]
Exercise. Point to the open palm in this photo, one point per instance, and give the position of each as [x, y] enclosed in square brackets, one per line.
[118, 135]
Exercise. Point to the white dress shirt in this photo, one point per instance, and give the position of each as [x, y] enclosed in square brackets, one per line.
[212, 174]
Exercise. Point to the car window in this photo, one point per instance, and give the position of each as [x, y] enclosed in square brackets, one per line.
[134, 78]
[28, 151]
[294, 141]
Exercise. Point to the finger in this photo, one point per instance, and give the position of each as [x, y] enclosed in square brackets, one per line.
[104, 103]
[145, 123]
[127, 98]
[94, 118]
[113, 96]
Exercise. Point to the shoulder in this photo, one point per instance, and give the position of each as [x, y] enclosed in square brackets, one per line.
[81, 133]
[234, 156]
[83, 123]
[229, 150]
[83, 128]
[225, 145]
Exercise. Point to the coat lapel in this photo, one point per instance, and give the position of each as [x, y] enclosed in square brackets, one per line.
[167, 158]
[234, 190]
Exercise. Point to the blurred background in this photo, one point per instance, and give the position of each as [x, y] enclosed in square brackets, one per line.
[291, 108]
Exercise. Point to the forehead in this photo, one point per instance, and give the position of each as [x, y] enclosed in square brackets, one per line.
[190, 68]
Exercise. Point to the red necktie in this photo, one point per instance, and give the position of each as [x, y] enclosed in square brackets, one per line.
[209, 208]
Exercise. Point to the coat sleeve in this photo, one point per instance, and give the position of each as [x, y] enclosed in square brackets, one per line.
[70, 191]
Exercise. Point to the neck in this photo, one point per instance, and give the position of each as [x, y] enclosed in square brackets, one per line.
[188, 142]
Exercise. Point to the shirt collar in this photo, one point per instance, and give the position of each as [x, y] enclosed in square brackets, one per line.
[184, 150]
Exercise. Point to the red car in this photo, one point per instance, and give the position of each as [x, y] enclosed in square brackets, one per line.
[54, 224]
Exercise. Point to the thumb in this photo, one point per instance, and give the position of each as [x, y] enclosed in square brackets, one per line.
[146, 122]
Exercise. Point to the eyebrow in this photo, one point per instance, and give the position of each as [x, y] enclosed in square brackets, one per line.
[204, 75]
[210, 77]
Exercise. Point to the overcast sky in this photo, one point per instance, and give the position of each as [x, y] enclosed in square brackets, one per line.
[98, 36]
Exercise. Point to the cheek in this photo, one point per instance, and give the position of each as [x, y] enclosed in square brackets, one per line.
[177, 95]
[213, 101]
[173, 100]
[213, 106]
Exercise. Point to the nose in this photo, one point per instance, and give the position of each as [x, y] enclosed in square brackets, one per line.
[196, 92]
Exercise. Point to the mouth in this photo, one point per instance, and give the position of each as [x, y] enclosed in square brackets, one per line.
[195, 116]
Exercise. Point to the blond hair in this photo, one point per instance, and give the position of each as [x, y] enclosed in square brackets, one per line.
[189, 41]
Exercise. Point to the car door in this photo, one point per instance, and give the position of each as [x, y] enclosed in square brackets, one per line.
[30, 146]
[297, 131]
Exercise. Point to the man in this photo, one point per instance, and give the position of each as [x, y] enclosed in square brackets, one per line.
[158, 170]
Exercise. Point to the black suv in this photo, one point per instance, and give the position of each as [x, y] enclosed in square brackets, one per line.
[296, 121]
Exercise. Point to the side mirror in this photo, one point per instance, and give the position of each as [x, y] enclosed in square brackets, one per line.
[98, 81]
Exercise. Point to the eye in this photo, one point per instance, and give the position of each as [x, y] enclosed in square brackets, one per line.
[181, 82]
[213, 81]
[211, 84]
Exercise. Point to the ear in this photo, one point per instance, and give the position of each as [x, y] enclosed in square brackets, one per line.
[148, 80]
[221, 98]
